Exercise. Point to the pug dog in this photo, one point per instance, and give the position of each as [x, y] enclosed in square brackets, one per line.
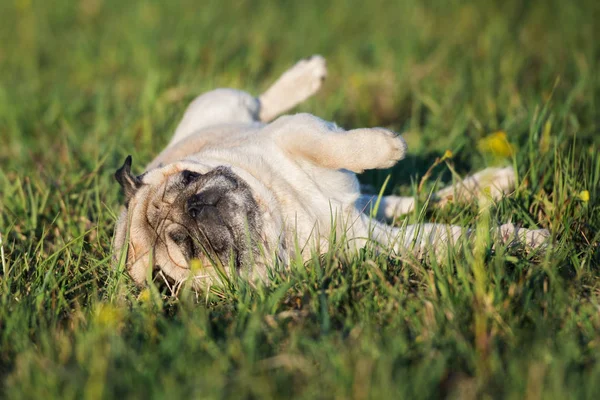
[234, 193]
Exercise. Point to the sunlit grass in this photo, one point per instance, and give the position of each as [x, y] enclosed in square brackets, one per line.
[84, 83]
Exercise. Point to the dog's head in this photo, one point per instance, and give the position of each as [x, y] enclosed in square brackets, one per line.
[182, 212]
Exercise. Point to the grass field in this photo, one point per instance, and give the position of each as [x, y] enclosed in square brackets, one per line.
[84, 83]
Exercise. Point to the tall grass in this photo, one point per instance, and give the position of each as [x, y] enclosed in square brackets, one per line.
[83, 83]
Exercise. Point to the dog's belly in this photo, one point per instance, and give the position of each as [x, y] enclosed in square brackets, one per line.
[221, 136]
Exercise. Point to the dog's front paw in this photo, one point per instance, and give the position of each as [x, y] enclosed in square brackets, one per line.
[374, 148]
[390, 148]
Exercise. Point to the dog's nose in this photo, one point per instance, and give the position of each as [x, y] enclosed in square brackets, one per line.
[199, 201]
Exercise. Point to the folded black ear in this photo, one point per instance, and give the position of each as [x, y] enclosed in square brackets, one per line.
[129, 182]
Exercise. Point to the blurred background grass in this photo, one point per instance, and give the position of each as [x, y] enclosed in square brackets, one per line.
[448, 72]
[84, 83]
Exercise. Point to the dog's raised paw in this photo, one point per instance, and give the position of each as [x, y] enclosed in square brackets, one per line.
[296, 84]
[392, 147]
[307, 75]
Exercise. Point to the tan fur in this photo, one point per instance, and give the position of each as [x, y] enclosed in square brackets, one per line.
[301, 171]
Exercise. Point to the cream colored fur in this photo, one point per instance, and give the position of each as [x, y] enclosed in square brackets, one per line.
[301, 170]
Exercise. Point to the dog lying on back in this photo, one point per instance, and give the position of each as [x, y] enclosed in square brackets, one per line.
[235, 193]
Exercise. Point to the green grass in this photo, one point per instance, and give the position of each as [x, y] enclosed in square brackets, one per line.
[84, 83]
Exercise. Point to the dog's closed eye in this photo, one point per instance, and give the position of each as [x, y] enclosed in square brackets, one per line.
[184, 242]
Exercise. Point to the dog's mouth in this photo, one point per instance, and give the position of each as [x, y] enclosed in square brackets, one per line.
[213, 218]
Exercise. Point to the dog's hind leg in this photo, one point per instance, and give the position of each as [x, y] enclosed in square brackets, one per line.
[492, 183]
[389, 207]
[422, 239]
[417, 240]
[231, 106]
[293, 87]
[217, 107]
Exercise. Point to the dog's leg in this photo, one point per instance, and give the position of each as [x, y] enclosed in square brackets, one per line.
[491, 183]
[416, 240]
[293, 87]
[217, 107]
[389, 207]
[231, 106]
[307, 137]
[420, 239]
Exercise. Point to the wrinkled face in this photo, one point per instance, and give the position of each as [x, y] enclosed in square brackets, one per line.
[179, 215]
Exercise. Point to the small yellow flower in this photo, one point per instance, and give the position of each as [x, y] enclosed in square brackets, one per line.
[447, 154]
[145, 296]
[108, 316]
[496, 144]
[584, 196]
[196, 266]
